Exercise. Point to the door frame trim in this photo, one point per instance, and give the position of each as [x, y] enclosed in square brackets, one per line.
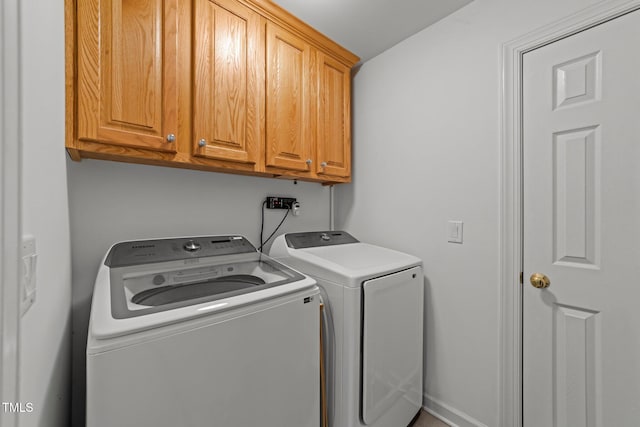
[511, 193]
[10, 206]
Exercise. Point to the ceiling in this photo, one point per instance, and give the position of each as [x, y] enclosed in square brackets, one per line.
[369, 27]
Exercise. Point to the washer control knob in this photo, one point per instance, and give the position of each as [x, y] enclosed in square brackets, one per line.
[158, 279]
[325, 237]
[191, 246]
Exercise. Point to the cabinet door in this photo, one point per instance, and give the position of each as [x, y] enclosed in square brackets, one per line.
[127, 65]
[228, 81]
[290, 130]
[334, 118]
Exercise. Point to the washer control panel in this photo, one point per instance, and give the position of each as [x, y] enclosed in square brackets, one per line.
[192, 246]
[150, 251]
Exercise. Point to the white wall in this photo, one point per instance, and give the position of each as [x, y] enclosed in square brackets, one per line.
[427, 150]
[45, 328]
[111, 202]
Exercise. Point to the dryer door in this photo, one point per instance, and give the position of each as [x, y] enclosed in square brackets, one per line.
[392, 342]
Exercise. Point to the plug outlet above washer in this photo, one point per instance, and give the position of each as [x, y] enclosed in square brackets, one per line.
[275, 202]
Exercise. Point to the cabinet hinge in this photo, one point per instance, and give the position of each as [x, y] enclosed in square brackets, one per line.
[521, 277]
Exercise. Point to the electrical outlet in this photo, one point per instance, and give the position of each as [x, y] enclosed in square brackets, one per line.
[274, 202]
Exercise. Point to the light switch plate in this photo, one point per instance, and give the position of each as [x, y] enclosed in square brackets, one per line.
[454, 231]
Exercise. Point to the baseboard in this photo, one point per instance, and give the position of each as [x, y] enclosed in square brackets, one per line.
[449, 415]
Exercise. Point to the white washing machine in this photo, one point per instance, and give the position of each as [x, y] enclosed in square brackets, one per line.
[375, 342]
[201, 331]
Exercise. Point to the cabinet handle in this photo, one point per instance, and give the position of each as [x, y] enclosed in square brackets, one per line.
[202, 142]
[323, 165]
[309, 161]
[171, 137]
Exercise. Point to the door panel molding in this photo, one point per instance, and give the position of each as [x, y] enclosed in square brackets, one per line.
[577, 197]
[577, 361]
[511, 193]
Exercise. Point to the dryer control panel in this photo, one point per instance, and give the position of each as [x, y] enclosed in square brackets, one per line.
[318, 238]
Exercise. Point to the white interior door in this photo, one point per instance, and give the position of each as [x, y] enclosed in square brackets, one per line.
[581, 337]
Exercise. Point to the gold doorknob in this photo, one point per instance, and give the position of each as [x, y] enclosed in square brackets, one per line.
[539, 280]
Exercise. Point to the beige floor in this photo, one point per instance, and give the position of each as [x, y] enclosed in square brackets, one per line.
[428, 420]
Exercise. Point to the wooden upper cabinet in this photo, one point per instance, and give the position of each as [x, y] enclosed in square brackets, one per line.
[291, 89]
[127, 64]
[334, 118]
[238, 86]
[228, 82]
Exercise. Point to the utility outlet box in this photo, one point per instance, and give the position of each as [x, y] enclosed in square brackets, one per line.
[274, 202]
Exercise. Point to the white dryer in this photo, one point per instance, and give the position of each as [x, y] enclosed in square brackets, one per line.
[375, 298]
[201, 331]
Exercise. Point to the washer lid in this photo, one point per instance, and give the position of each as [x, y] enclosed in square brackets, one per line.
[347, 263]
[132, 295]
[142, 290]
